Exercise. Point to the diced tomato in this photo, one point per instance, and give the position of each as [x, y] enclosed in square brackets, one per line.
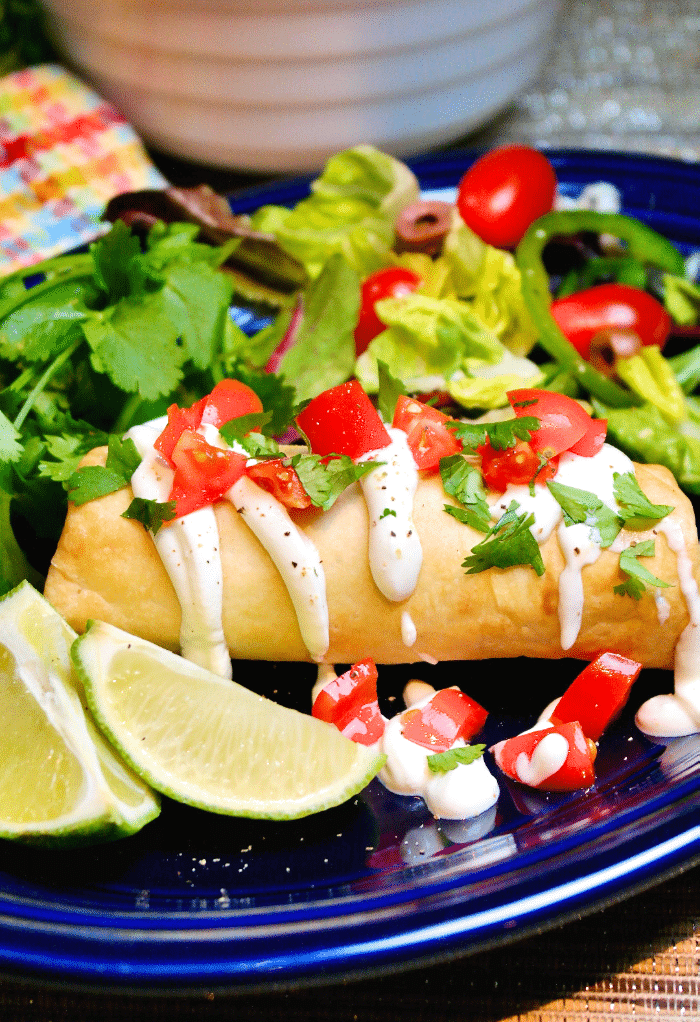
[228, 400]
[449, 715]
[598, 694]
[563, 422]
[281, 481]
[519, 759]
[592, 440]
[343, 420]
[179, 419]
[519, 465]
[391, 282]
[203, 473]
[350, 702]
[429, 438]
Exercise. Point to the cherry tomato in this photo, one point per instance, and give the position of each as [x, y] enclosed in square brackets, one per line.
[228, 400]
[563, 422]
[606, 307]
[350, 702]
[519, 465]
[449, 715]
[429, 439]
[504, 192]
[281, 481]
[343, 420]
[203, 473]
[519, 759]
[598, 694]
[392, 282]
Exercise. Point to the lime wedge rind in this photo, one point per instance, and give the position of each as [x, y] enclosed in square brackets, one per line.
[209, 742]
[63, 750]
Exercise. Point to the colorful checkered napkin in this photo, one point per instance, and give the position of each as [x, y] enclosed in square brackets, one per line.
[64, 152]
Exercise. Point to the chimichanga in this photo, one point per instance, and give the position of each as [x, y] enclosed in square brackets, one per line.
[107, 567]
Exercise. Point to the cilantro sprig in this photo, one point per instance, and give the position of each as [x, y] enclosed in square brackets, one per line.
[507, 543]
[500, 435]
[94, 342]
[444, 762]
[638, 577]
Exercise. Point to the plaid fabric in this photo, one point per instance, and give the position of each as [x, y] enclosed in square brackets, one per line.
[64, 152]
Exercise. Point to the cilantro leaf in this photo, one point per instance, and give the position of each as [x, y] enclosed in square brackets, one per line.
[92, 481]
[196, 297]
[584, 507]
[500, 434]
[463, 482]
[152, 514]
[636, 508]
[638, 577]
[234, 431]
[443, 762]
[119, 268]
[324, 479]
[10, 445]
[386, 512]
[136, 344]
[507, 543]
[276, 396]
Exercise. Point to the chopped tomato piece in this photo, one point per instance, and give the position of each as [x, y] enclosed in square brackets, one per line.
[519, 465]
[592, 440]
[350, 702]
[429, 438]
[598, 694]
[563, 422]
[558, 758]
[281, 481]
[178, 419]
[343, 420]
[449, 715]
[203, 473]
[228, 400]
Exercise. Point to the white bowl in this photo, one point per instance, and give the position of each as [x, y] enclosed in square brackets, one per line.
[279, 85]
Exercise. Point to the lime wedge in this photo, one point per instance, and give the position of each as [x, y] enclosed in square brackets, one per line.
[60, 782]
[209, 742]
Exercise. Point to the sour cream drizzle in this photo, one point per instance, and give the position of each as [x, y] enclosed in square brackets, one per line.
[677, 714]
[580, 544]
[189, 550]
[295, 557]
[395, 553]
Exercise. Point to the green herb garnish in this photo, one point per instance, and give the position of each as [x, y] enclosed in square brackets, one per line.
[443, 762]
[583, 507]
[507, 543]
[638, 577]
[151, 513]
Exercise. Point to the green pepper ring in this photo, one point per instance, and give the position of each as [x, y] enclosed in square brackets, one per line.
[643, 244]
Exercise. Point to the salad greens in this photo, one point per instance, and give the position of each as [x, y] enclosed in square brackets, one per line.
[94, 342]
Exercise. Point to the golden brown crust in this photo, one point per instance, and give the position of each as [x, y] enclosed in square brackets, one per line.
[107, 567]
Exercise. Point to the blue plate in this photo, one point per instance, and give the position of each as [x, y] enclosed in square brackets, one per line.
[376, 884]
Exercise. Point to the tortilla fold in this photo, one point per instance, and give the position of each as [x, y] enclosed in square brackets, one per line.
[106, 567]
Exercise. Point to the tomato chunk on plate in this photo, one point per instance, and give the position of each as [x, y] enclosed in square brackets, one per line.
[281, 481]
[350, 702]
[598, 694]
[556, 758]
[449, 715]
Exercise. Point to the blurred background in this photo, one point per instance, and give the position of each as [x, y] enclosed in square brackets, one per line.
[261, 90]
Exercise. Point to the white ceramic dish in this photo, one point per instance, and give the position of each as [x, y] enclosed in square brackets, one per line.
[280, 86]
